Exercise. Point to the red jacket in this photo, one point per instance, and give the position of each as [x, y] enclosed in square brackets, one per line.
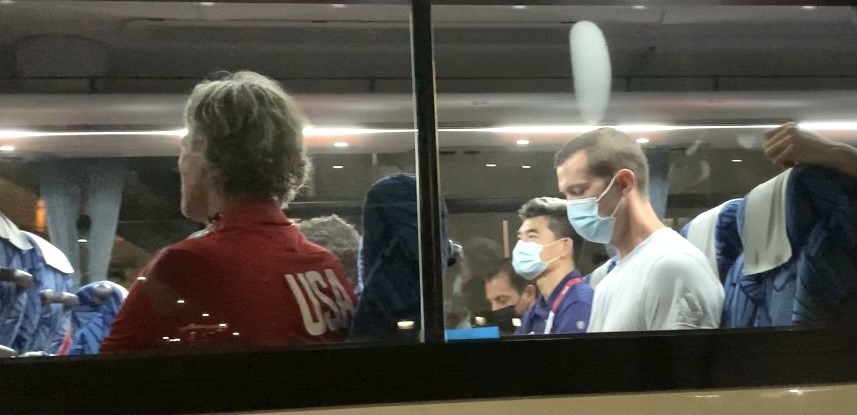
[254, 272]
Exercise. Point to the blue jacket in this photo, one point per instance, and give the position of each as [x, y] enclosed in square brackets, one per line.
[826, 267]
[572, 314]
[818, 284]
[389, 260]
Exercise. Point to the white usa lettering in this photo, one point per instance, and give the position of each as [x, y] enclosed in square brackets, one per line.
[316, 282]
[346, 306]
[313, 327]
[337, 314]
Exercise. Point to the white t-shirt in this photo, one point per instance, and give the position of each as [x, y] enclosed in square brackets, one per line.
[665, 283]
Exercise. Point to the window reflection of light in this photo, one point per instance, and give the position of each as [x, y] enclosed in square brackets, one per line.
[642, 140]
[509, 129]
[340, 144]
[828, 125]
[7, 148]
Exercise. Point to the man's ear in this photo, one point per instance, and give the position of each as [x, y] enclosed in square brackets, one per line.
[626, 180]
[530, 291]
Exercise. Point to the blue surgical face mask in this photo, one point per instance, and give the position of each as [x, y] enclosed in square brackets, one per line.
[584, 218]
[527, 261]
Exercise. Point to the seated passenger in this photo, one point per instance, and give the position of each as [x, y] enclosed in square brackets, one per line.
[337, 236]
[510, 296]
[253, 273]
[545, 254]
[660, 281]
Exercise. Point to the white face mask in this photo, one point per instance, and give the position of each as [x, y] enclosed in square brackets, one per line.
[527, 261]
[584, 218]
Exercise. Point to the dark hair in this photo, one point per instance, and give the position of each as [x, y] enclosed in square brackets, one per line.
[554, 209]
[517, 282]
[608, 151]
[483, 256]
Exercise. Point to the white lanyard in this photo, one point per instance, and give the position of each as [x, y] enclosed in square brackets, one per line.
[549, 323]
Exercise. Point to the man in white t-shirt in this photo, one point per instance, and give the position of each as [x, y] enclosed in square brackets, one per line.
[660, 281]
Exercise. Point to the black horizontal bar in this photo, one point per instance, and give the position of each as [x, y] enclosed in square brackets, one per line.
[386, 374]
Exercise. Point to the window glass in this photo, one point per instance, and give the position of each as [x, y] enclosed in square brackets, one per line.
[91, 128]
[693, 95]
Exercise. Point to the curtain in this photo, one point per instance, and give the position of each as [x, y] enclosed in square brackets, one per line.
[659, 180]
[105, 180]
[60, 188]
[93, 187]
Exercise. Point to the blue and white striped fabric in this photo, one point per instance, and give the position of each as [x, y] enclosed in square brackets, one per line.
[826, 267]
[716, 235]
[53, 271]
[15, 252]
[91, 320]
[13, 300]
[818, 284]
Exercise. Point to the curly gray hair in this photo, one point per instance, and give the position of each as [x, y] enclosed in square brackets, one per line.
[337, 236]
[251, 134]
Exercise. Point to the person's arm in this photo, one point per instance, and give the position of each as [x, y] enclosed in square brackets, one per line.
[682, 294]
[788, 145]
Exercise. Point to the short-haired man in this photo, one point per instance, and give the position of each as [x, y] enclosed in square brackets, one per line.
[509, 295]
[544, 254]
[660, 281]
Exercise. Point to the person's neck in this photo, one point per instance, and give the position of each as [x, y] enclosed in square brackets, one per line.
[642, 222]
[219, 203]
[549, 281]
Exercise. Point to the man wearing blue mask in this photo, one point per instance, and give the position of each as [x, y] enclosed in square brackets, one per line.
[545, 254]
[660, 281]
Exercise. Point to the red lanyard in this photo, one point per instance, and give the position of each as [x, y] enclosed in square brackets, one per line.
[558, 300]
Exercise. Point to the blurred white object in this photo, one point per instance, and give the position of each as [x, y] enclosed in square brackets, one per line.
[590, 65]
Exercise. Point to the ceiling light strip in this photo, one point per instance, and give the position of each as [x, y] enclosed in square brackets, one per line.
[513, 129]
